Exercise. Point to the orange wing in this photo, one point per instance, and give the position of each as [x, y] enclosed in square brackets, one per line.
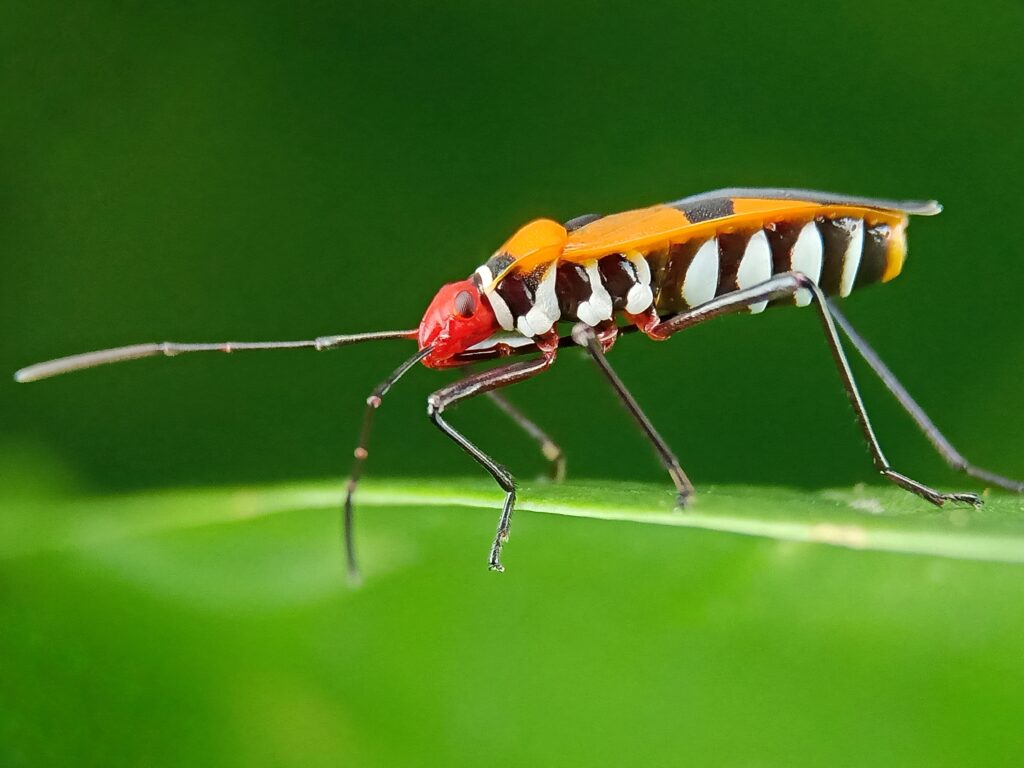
[700, 215]
[703, 214]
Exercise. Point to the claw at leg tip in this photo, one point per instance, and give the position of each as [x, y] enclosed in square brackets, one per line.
[973, 499]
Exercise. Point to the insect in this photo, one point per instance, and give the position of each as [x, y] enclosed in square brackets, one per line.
[657, 271]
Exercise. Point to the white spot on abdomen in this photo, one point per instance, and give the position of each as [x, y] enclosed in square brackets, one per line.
[643, 269]
[640, 296]
[545, 312]
[599, 306]
[851, 259]
[806, 258]
[701, 281]
[755, 266]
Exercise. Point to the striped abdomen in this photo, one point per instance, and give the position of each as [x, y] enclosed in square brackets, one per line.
[837, 250]
[839, 253]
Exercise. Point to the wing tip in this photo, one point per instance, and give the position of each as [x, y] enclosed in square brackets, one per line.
[927, 208]
[910, 207]
[25, 375]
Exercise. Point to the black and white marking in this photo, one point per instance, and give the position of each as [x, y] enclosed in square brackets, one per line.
[592, 292]
[839, 254]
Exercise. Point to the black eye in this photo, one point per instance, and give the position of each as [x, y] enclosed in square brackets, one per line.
[465, 304]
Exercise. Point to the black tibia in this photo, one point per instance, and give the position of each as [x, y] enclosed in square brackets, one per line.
[596, 342]
[783, 286]
[951, 455]
[551, 450]
[478, 384]
[372, 404]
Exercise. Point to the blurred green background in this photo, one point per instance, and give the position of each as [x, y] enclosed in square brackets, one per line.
[211, 171]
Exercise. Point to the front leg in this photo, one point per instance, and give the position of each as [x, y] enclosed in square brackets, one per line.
[478, 384]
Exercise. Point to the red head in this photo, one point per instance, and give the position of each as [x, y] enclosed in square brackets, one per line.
[457, 318]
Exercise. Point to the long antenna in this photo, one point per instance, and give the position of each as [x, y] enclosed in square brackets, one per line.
[171, 348]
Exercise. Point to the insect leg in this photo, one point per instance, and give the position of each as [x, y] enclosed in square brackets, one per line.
[782, 286]
[551, 450]
[588, 338]
[951, 455]
[477, 384]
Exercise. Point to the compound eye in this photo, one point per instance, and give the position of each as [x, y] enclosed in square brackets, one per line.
[465, 304]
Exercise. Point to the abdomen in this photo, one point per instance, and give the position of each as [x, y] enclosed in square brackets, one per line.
[839, 251]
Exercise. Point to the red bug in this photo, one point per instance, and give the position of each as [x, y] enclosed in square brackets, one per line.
[660, 269]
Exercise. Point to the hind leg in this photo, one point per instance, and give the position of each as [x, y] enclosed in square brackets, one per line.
[782, 286]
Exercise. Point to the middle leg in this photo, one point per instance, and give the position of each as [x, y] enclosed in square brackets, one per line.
[552, 451]
[596, 344]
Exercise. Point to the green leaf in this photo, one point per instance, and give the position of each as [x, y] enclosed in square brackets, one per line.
[884, 519]
[215, 627]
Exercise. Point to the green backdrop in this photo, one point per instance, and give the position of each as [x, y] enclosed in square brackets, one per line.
[211, 171]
